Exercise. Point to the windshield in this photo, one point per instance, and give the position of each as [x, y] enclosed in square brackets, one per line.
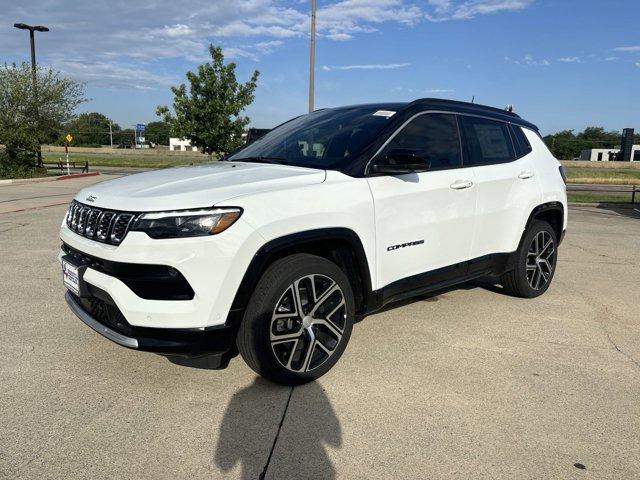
[320, 139]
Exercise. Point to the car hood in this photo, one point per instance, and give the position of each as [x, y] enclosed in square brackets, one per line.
[195, 187]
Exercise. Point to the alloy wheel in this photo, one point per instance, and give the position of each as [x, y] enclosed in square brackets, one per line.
[308, 323]
[541, 258]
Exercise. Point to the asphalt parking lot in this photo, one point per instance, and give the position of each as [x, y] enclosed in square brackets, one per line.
[468, 383]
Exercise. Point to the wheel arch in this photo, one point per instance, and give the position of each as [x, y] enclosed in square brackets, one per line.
[550, 212]
[340, 245]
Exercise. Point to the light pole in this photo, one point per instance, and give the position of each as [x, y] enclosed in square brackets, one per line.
[312, 55]
[32, 29]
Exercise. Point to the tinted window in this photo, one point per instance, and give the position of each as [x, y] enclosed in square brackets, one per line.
[523, 147]
[488, 141]
[432, 136]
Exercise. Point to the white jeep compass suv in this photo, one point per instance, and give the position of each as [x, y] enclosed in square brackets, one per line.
[274, 251]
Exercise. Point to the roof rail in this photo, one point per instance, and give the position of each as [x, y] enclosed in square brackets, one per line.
[455, 103]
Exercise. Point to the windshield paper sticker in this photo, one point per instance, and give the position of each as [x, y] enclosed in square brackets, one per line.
[384, 113]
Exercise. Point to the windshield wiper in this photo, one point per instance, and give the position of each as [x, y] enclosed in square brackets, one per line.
[274, 160]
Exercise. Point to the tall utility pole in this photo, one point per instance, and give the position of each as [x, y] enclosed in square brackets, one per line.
[312, 56]
[32, 29]
[110, 134]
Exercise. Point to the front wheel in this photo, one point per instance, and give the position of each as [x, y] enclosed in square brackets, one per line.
[535, 262]
[298, 321]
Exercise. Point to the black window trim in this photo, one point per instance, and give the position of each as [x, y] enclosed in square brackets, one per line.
[512, 127]
[461, 135]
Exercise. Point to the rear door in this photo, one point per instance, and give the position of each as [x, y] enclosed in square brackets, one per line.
[424, 221]
[506, 184]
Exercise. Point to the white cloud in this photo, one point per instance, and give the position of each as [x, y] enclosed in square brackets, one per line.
[444, 10]
[630, 49]
[113, 74]
[440, 90]
[374, 66]
[529, 61]
[638, 64]
[133, 37]
[610, 59]
[569, 59]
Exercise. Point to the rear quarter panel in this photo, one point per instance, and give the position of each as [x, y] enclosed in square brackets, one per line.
[547, 171]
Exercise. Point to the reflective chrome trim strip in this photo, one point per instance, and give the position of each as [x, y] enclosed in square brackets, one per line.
[99, 327]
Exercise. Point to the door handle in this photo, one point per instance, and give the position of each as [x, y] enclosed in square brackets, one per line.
[525, 175]
[461, 184]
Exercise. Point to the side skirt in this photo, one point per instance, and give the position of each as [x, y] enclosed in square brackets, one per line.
[434, 280]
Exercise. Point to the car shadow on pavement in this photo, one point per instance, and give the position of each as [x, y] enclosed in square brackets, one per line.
[272, 438]
[630, 211]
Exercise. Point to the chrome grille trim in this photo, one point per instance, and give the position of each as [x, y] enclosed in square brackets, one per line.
[106, 226]
[120, 227]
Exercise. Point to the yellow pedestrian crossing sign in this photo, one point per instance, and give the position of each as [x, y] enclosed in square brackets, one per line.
[69, 137]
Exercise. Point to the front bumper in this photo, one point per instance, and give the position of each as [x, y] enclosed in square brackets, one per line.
[212, 269]
[99, 312]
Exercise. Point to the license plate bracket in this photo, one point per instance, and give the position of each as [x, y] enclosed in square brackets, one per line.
[72, 277]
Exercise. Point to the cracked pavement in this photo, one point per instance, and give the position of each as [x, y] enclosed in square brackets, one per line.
[467, 383]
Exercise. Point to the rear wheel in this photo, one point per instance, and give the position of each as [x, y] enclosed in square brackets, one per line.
[535, 263]
[298, 321]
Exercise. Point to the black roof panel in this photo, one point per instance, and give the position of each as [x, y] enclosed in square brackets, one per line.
[450, 105]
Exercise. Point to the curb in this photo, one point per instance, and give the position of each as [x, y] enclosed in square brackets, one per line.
[17, 181]
[77, 175]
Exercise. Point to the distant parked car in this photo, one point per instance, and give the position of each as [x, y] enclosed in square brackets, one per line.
[124, 145]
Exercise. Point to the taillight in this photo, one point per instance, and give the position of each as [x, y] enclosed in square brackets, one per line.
[563, 173]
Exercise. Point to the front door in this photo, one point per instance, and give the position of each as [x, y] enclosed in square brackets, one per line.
[424, 221]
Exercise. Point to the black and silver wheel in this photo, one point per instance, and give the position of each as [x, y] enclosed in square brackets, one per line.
[298, 321]
[541, 260]
[535, 262]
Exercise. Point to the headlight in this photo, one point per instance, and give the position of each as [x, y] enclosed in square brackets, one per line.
[186, 223]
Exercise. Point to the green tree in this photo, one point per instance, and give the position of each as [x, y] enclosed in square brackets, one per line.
[158, 132]
[567, 144]
[25, 122]
[91, 128]
[126, 136]
[209, 112]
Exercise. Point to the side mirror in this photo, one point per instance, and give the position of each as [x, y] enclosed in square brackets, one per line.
[397, 162]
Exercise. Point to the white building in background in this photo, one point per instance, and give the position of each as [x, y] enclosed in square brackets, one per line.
[604, 154]
[177, 144]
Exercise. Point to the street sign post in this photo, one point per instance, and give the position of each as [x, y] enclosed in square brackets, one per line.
[68, 139]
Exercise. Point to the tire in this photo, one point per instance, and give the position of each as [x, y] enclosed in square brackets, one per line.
[294, 339]
[535, 264]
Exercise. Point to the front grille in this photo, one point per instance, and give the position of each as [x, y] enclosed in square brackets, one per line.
[106, 226]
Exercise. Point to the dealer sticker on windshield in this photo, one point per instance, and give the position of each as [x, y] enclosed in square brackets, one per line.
[384, 113]
[70, 277]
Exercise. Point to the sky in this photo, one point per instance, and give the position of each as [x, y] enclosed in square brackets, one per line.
[563, 64]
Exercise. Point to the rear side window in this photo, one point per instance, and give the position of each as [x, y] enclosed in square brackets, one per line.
[488, 141]
[521, 143]
[432, 136]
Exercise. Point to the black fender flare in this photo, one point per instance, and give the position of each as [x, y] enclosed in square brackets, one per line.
[292, 243]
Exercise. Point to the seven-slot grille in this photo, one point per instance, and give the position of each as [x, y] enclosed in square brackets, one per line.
[98, 224]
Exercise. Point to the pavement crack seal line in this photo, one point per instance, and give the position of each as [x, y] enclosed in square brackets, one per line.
[605, 311]
[637, 364]
[263, 475]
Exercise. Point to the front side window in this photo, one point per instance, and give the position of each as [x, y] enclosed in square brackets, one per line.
[488, 141]
[432, 136]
